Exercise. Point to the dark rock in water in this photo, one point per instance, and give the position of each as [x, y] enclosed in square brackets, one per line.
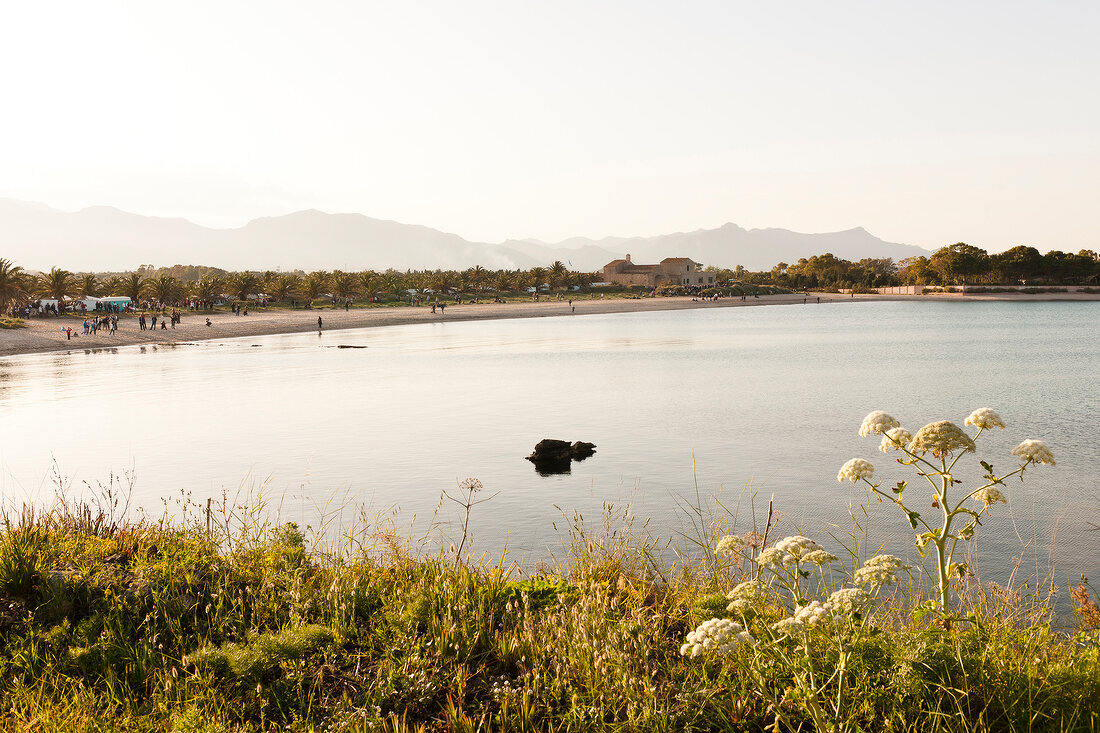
[556, 456]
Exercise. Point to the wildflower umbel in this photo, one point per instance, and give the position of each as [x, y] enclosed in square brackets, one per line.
[849, 601]
[894, 439]
[770, 557]
[877, 422]
[856, 469]
[985, 419]
[990, 496]
[813, 613]
[941, 439]
[716, 636]
[729, 545]
[819, 558]
[878, 571]
[797, 546]
[747, 596]
[1035, 451]
[789, 551]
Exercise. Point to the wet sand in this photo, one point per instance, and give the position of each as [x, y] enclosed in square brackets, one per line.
[46, 334]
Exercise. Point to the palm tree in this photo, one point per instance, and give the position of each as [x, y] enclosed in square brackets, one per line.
[242, 284]
[502, 280]
[207, 289]
[267, 280]
[56, 284]
[559, 274]
[477, 275]
[282, 287]
[312, 285]
[88, 285]
[164, 289]
[369, 283]
[441, 281]
[12, 283]
[344, 284]
[111, 286]
[536, 276]
[132, 287]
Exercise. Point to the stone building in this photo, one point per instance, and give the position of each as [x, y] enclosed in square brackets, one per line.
[671, 271]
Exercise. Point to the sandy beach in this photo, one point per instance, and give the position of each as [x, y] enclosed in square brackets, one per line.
[47, 334]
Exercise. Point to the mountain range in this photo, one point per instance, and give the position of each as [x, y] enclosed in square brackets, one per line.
[101, 238]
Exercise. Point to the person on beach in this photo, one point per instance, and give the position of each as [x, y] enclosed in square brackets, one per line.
[208, 323]
[318, 323]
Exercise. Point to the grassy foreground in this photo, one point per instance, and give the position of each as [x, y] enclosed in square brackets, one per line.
[192, 626]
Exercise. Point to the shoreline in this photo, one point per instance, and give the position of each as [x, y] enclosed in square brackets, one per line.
[45, 335]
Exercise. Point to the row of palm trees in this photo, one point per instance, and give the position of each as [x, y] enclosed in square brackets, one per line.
[59, 284]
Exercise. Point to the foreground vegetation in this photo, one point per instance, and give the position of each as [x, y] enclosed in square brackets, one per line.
[224, 622]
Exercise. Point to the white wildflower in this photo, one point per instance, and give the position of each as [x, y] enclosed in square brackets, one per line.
[856, 469]
[797, 546]
[894, 439]
[985, 419]
[878, 571]
[729, 545]
[789, 625]
[819, 558]
[814, 613]
[747, 596]
[941, 438]
[716, 636]
[849, 601]
[990, 496]
[1035, 451]
[877, 422]
[770, 557]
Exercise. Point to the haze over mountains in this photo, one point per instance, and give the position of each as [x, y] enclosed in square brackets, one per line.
[100, 238]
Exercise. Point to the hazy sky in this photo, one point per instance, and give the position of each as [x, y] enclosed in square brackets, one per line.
[927, 123]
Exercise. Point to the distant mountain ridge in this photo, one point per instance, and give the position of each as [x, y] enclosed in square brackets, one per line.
[102, 238]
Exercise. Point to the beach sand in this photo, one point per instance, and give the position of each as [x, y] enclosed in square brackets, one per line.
[46, 334]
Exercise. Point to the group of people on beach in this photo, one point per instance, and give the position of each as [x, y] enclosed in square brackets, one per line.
[93, 325]
[151, 325]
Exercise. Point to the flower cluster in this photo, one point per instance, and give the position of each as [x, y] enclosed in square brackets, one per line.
[793, 551]
[716, 636]
[746, 596]
[877, 422]
[941, 439]
[878, 571]
[990, 496]
[772, 558]
[849, 601]
[812, 614]
[894, 439]
[1034, 451]
[985, 419]
[729, 545]
[856, 469]
[819, 557]
[797, 546]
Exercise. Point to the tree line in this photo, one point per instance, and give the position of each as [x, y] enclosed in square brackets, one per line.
[206, 285]
[956, 264]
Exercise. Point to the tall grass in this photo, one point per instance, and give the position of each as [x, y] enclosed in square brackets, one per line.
[225, 620]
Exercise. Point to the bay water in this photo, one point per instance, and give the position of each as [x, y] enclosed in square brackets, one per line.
[683, 406]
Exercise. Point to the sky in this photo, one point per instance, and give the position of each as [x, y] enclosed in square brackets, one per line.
[926, 123]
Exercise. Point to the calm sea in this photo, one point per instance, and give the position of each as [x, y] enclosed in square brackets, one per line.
[683, 406]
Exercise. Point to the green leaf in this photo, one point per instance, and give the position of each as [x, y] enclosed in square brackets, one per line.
[987, 467]
[913, 517]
